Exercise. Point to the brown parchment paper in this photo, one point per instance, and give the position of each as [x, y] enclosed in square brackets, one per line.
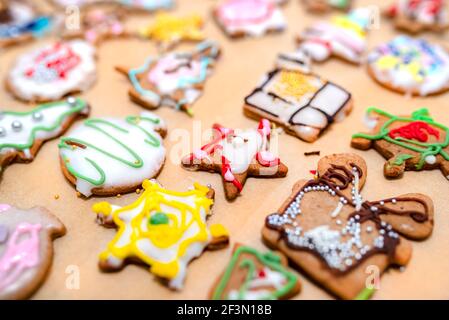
[238, 71]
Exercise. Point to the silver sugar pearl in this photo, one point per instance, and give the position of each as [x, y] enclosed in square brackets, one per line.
[37, 116]
[2, 132]
[71, 101]
[16, 125]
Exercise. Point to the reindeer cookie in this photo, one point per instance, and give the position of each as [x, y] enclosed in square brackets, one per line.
[343, 37]
[237, 155]
[169, 30]
[412, 66]
[419, 15]
[175, 79]
[321, 6]
[23, 133]
[53, 71]
[111, 156]
[252, 275]
[26, 249]
[303, 103]
[20, 21]
[330, 232]
[99, 23]
[413, 142]
[240, 18]
[164, 229]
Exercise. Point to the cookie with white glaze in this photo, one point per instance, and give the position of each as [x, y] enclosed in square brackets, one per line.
[252, 18]
[163, 229]
[322, 6]
[416, 16]
[23, 133]
[26, 249]
[255, 275]
[329, 232]
[110, 156]
[20, 22]
[409, 143]
[301, 102]
[53, 71]
[237, 155]
[147, 5]
[410, 66]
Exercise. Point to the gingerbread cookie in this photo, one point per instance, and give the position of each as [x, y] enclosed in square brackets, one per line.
[237, 155]
[343, 37]
[303, 103]
[413, 142]
[163, 229]
[99, 23]
[26, 249]
[20, 21]
[412, 66]
[147, 5]
[239, 18]
[253, 275]
[23, 133]
[321, 6]
[419, 15]
[169, 30]
[327, 229]
[77, 3]
[53, 71]
[175, 79]
[110, 156]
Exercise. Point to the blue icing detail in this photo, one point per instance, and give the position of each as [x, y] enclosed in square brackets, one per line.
[36, 27]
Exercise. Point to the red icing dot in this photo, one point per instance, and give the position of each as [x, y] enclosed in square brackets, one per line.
[417, 130]
[262, 273]
[313, 172]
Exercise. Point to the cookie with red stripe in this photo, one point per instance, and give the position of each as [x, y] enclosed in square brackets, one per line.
[321, 6]
[409, 143]
[237, 155]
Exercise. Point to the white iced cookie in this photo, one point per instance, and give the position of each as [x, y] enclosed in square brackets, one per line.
[410, 65]
[249, 17]
[53, 71]
[110, 156]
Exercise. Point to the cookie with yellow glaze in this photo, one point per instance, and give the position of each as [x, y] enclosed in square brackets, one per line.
[164, 229]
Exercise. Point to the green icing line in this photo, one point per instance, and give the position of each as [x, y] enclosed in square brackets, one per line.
[79, 106]
[365, 294]
[268, 259]
[94, 124]
[425, 149]
[401, 158]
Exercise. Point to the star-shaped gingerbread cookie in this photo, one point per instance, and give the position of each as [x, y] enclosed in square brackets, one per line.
[237, 155]
[409, 143]
[341, 241]
[175, 79]
[169, 30]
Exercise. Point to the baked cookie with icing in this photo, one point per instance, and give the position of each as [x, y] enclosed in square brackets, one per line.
[147, 5]
[99, 23]
[411, 66]
[328, 231]
[53, 71]
[237, 155]
[163, 229]
[26, 249]
[111, 156]
[77, 3]
[255, 18]
[321, 6]
[168, 30]
[253, 275]
[414, 143]
[303, 103]
[175, 79]
[416, 16]
[343, 37]
[23, 133]
[20, 21]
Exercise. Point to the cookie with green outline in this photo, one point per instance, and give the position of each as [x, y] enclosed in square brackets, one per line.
[340, 240]
[253, 275]
[23, 133]
[111, 156]
[321, 6]
[409, 143]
